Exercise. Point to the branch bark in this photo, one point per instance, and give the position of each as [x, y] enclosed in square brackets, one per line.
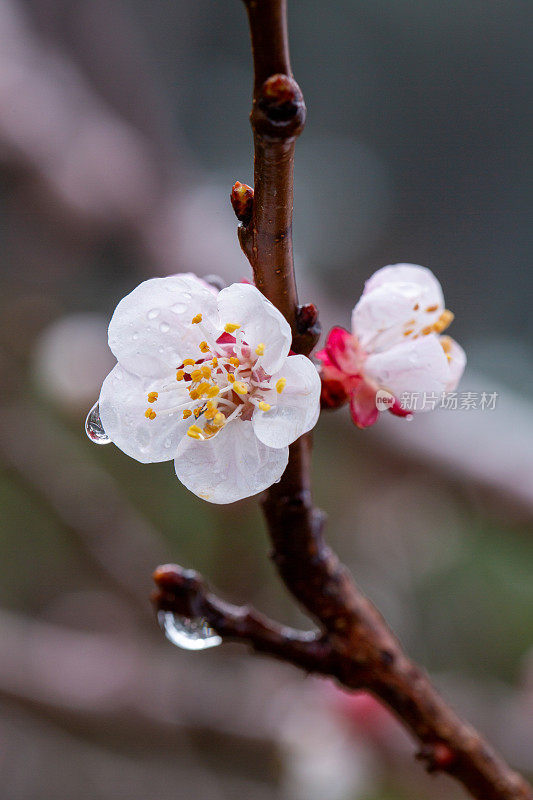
[368, 656]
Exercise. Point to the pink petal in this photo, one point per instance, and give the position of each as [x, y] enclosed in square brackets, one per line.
[363, 405]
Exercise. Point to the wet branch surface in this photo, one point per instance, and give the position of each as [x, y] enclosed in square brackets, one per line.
[354, 643]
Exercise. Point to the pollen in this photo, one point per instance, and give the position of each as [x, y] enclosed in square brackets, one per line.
[194, 394]
[260, 349]
[219, 419]
[189, 362]
[264, 406]
[204, 387]
[150, 413]
[240, 387]
[231, 377]
[212, 391]
[179, 375]
[206, 371]
[280, 385]
[187, 413]
[204, 347]
[426, 330]
[196, 319]
[430, 309]
[215, 361]
[231, 327]
[152, 397]
[195, 432]
[415, 308]
[196, 374]
[409, 332]
[234, 361]
[445, 319]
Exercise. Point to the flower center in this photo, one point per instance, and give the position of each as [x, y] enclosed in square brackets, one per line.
[225, 382]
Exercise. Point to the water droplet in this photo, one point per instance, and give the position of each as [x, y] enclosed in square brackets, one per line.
[135, 335]
[189, 634]
[179, 308]
[164, 327]
[94, 428]
[409, 418]
[153, 313]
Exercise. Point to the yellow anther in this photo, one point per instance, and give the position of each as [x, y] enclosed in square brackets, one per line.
[194, 432]
[409, 332]
[212, 391]
[196, 374]
[231, 377]
[234, 361]
[150, 413]
[204, 347]
[445, 319]
[430, 309]
[446, 343]
[206, 371]
[215, 361]
[179, 375]
[240, 387]
[231, 327]
[196, 319]
[264, 406]
[152, 397]
[211, 410]
[189, 362]
[415, 308]
[260, 349]
[210, 429]
[187, 413]
[219, 419]
[426, 330]
[204, 387]
[194, 394]
[280, 385]
[197, 412]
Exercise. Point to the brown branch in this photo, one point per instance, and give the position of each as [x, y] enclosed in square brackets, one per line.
[369, 655]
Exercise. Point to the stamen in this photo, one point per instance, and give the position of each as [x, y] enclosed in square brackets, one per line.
[206, 371]
[430, 309]
[211, 410]
[446, 344]
[240, 387]
[231, 377]
[196, 319]
[231, 327]
[415, 308]
[215, 361]
[280, 385]
[152, 397]
[204, 347]
[150, 413]
[196, 374]
[197, 412]
[187, 413]
[195, 432]
[219, 419]
[409, 332]
[445, 319]
[212, 391]
[234, 361]
[260, 349]
[189, 362]
[194, 394]
[264, 406]
[179, 375]
[426, 330]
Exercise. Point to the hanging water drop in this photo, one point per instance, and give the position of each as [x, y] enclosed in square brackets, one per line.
[94, 428]
[189, 634]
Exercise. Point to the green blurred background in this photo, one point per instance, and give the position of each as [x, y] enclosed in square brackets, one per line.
[122, 128]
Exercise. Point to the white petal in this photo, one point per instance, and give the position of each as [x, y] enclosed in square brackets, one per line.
[398, 302]
[232, 465]
[295, 410]
[261, 323]
[123, 402]
[151, 333]
[418, 365]
[456, 364]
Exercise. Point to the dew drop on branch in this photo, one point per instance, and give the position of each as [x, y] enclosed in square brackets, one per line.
[189, 634]
[94, 428]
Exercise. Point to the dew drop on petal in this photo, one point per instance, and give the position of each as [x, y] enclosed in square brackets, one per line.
[94, 428]
[409, 418]
[164, 327]
[189, 634]
[153, 313]
[179, 308]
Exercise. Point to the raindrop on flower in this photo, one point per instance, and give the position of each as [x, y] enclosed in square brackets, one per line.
[164, 327]
[94, 428]
[153, 313]
[189, 634]
[179, 308]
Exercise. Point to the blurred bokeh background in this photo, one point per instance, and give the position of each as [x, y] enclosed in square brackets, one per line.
[122, 128]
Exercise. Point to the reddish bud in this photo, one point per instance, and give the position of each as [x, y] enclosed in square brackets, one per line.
[242, 200]
[439, 756]
[280, 90]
